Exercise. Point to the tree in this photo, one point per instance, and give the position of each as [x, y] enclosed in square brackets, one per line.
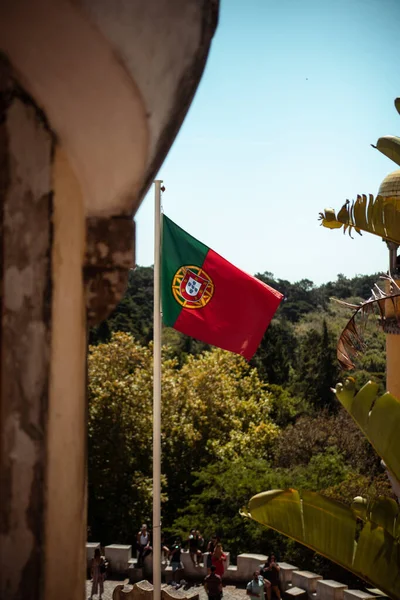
[213, 406]
[276, 354]
[317, 369]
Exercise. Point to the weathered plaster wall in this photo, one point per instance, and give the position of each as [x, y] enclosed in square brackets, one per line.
[26, 199]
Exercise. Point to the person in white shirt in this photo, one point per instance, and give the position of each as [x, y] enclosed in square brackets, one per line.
[143, 544]
[258, 587]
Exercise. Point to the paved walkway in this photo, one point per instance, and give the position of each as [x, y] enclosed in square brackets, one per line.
[230, 592]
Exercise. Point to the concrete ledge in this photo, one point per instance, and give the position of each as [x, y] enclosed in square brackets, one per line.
[118, 555]
[135, 573]
[306, 580]
[248, 563]
[295, 592]
[328, 589]
[357, 595]
[286, 574]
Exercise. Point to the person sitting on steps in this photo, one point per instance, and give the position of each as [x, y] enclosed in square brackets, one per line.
[271, 573]
[143, 545]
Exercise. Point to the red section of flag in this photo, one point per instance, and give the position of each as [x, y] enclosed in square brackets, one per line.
[238, 313]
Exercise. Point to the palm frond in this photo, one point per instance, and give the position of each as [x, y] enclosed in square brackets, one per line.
[379, 216]
[351, 342]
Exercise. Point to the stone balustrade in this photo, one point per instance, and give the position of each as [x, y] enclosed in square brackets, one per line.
[295, 584]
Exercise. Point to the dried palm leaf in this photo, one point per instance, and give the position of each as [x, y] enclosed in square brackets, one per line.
[380, 216]
[351, 342]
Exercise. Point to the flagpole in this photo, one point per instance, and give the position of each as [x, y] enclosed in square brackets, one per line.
[157, 395]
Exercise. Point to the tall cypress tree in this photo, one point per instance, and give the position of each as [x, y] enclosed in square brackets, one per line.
[317, 369]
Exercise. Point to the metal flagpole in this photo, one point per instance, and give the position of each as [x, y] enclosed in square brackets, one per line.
[157, 396]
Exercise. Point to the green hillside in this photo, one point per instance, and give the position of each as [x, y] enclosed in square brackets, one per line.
[230, 429]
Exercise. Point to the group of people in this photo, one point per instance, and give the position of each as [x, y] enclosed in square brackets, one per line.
[195, 544]
[265, 581]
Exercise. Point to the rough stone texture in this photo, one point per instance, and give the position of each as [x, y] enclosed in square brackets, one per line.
[109, 257]
[26, 149]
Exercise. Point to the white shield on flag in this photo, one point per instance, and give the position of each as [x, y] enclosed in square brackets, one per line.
[193, 286]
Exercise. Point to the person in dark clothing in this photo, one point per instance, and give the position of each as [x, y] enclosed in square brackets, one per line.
[210, 549]
[175, 560]
[271, 572]
[213, 585]
[193, 543]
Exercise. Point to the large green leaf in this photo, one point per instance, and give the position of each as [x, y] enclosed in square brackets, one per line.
[330, 528]
[377, 417]
[389, 145]
[379, 216]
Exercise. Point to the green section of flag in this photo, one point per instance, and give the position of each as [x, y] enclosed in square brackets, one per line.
[178, 249]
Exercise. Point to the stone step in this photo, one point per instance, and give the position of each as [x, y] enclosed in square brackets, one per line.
[357, 595]
[286, 574]
[328, 589]
[295, 592]
[306, 580]
[135, 573]
[377, 593]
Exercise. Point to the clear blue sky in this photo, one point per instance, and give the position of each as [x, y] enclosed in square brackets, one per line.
[293, 94]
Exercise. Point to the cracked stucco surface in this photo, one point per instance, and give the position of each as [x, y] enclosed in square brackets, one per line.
[25, 195]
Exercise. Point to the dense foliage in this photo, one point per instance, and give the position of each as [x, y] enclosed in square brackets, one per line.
[230, 429]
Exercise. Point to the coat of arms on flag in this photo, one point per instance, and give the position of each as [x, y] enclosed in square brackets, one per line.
[192, 287]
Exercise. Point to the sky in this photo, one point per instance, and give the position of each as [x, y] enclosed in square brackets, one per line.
[293, 95]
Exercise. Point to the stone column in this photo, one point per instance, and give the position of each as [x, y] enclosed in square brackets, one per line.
[42, 358]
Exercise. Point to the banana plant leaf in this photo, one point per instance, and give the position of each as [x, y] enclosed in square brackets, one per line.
[330, 528]
[379, 216]
[351, 341]
[377, 417]
[389, 145]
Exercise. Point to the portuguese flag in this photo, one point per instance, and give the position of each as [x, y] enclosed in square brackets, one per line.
[206, 297]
